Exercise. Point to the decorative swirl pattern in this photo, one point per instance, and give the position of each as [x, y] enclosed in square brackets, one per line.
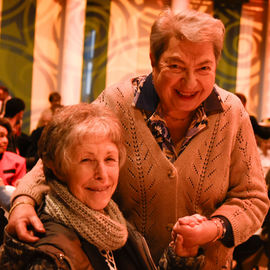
[16, 49]
[120, 32]
[122, 40]
[227, 68]
[250, 56]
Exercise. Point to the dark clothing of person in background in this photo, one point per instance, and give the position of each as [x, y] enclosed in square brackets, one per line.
[261, 131]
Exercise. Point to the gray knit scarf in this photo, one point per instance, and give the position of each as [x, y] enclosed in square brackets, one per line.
[105, 231]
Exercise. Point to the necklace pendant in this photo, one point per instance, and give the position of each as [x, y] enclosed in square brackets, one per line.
[109, 258]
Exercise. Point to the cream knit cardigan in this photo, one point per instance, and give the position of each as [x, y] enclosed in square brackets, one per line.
[219, 173]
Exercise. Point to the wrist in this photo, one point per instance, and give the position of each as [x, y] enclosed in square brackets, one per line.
[24, 198]
[21, 200]
[221, 229]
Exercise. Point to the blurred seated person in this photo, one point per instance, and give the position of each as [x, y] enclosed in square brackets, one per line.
[264, 151]
[32, 150]
[20, 142]
[259, 130]
[46, 115]
[82, 150]
[4, 97]
[14, 114]
[12, 166]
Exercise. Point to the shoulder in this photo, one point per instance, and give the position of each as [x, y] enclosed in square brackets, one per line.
[121, 92]
[122, 85]
[228, 98]
[232, 105]
[57, 232]
[63, 242]
[14, 157]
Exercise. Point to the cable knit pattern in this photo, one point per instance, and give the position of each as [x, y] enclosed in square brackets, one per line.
[108, 232]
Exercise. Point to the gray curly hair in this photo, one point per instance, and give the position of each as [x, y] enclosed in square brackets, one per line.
[69, 127]
[192, 25]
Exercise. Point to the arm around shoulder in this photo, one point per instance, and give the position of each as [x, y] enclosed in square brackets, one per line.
[32, 185]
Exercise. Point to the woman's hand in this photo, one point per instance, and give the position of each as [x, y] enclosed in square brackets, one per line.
[196, 230]
[24, 222]
[181, 250]
[190, 221]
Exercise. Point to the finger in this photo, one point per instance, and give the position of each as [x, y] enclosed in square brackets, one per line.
[199, 218]
[182, 250]
[185, 220]
[173, 235]
[178, 244]
[37, 224]
[179, 240]
[24, 234]
[179, 247]
[189, 220]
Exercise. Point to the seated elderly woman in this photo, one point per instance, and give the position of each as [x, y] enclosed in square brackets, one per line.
[82, 151]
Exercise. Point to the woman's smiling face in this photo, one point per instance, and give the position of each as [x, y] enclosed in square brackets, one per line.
[184, 76]
[94, 173]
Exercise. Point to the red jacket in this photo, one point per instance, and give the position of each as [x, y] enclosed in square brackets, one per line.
[12, 168]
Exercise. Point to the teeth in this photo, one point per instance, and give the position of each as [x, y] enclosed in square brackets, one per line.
[186, 94]
[98, 189]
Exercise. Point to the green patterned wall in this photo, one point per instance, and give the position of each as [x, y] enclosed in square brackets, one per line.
[230, 15]
[16, 50]
[17, 43]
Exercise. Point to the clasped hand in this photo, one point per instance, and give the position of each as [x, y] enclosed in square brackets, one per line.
[190, 232]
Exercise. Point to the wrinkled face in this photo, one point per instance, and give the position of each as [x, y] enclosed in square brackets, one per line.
[3, 139]
[93, 176]
[184, 76]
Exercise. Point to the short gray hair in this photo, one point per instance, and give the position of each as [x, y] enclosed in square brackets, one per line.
[69, 127]
[192, 25]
